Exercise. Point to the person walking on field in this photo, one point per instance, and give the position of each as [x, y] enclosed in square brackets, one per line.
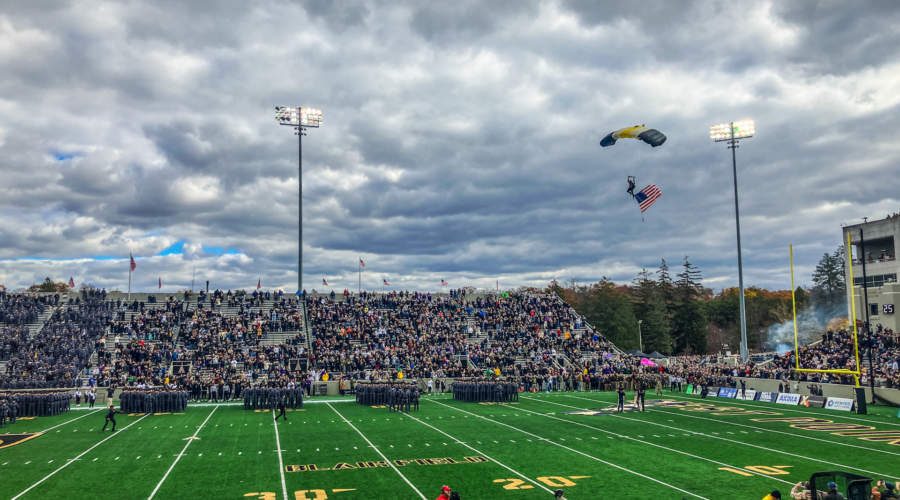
[110, 417]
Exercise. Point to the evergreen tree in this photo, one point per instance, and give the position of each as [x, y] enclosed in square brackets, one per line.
[650, 308]
[689, 327]
[609, 310]
[667, 292]
[829, 292]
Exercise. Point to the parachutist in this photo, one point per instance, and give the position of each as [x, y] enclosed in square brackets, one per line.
[631, 186]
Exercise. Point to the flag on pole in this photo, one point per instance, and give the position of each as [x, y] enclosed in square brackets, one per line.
[325, 283]
[72, 282]
[648, 196]
[444, 283]
[160, 282]
[259, 284]
[498, 285]
[385, 282]
[361, 263]
[133, 263]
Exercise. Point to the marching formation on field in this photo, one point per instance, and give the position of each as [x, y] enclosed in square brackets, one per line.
[258, 398]
[32, 404]
[397, 397]
[485, 391]
[153, 401]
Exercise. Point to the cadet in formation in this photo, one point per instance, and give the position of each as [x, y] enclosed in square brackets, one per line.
[35, 404]
[152, 401]
[258, 398]
[485, 391]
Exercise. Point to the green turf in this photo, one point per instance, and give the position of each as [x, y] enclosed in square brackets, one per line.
[517, 451]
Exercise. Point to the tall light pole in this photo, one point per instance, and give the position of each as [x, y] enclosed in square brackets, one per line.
[300, 119]
[730, 133]
[640, 335]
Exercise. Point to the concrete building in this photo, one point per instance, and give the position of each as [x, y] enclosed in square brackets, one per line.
[882, 238]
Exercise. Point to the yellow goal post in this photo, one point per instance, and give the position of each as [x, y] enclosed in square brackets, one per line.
[855, 373]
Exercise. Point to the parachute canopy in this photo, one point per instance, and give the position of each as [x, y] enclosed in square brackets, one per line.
[651, 136]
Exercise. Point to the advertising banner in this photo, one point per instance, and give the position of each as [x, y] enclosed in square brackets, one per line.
[727, 392]
[813, 401]
[767, 397]
[841, 404]
[785, 398]
[748, 395]
[713, 392]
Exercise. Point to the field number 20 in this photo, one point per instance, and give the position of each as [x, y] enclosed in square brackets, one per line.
[770, 470]
[552, 481]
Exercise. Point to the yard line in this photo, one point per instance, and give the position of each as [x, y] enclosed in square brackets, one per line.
[801, 436]
[280, 461]
[729, 440]
[379, 452]
[67, 421]
[485, 456]
[575, 451]
[73, 460]
[181, 454]
[656, 445]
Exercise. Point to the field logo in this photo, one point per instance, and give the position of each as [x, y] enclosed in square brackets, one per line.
[785, 398]
[7, 440]
[841, 404]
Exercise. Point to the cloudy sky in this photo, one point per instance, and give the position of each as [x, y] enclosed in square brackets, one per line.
[460, 139]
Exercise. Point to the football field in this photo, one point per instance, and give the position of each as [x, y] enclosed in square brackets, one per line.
[680, 447]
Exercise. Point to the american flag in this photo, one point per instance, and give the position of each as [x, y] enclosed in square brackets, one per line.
[133, 263]
[361, 263]
[648, 196]
[385, 282]
[259, 284]
[72, 282]
[324, 282]
[160, 282]
[444, 283]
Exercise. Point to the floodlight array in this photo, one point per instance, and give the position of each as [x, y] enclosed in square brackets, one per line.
[736, 130]
[298, 117]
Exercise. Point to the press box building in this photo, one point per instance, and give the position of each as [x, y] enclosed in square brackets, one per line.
[882, 238]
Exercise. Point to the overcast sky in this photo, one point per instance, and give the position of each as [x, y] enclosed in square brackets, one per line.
[460, 139]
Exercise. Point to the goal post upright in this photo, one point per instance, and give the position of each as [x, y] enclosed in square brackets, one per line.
[844, 371]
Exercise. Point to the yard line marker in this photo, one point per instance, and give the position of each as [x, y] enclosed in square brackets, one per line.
[28, 462]
[50, 462]
[94, 460]
[180, 454]
[76, 458]
[737, 442]
[379, 452]
[576, 451]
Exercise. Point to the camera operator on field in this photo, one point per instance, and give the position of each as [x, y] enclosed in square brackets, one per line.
[445, 493]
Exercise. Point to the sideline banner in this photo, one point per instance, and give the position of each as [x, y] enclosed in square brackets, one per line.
[727, 392]
[813, 401]
[713, 392]
[748, 395]
[767, 397]
[841, 404]
[786, 398]
[690, 389]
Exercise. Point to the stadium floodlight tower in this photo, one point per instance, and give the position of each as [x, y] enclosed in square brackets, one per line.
[730, 133]
[300, 119]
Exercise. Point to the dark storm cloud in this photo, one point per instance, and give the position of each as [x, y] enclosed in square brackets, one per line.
[459, 143]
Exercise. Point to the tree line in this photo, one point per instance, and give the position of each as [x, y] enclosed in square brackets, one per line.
[678, 315]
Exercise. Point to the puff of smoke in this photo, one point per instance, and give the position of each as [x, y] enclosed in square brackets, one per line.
[811, 322]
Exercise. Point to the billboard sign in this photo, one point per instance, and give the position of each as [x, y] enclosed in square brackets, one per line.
[748, 395]
[841, 404]
[727, 392]
[767, 397]
[786, 398]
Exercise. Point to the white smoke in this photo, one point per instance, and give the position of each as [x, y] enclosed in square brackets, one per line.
[811, 323]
